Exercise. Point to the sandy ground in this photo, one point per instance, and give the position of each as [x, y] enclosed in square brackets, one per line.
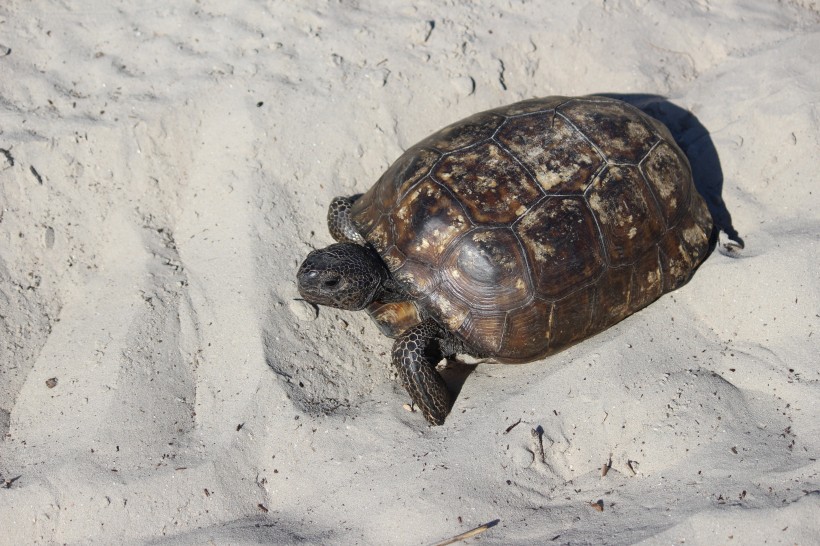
[163, 171]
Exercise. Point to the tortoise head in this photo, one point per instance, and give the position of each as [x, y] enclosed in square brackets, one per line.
[342, 275]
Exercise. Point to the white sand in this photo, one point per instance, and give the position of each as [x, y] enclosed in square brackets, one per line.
[186, 158]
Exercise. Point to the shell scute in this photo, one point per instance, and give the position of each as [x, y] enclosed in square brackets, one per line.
[626, 212]
[418, 279]
[526, 333]
[616, 128]
[426, 221]
[647, 280]
[571, 317]
[667, 176]
[556, 153]
[490, 184]
[563, 245]
[487, 269]
[484, 331]
[467, 132]
[613, 295]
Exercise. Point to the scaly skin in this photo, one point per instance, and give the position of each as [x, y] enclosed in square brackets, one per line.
[339, 223]
[415, 355]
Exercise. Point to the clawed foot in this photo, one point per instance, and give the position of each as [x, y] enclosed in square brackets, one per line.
[415, 355]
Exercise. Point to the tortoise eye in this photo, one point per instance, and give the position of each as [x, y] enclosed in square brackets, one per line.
[331, 283]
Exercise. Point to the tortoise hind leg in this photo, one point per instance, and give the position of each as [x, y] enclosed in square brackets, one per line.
[339, 222]
[415, 355]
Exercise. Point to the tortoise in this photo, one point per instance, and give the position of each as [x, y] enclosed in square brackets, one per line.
[513, 234]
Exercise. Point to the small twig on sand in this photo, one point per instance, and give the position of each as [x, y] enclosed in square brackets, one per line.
[469, 534]
[509, 428]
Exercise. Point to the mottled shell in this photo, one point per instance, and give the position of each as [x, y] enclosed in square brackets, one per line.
[530, 227]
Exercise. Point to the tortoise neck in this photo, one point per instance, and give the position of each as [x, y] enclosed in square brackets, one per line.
[391, 291]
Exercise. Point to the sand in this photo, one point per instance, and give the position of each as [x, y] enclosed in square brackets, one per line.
[164, 168]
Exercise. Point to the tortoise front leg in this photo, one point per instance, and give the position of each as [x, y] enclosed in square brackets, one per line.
[339, 222]
[415, 355]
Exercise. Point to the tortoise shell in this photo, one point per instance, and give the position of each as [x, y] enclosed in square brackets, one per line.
[529, 227]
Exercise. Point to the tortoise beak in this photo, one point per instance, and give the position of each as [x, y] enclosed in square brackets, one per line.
[315, 281]
[307, 279]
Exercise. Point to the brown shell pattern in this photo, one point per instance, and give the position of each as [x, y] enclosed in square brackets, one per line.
[530, 227]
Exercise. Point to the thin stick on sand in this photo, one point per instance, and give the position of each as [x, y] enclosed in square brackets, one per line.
[469, 534]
